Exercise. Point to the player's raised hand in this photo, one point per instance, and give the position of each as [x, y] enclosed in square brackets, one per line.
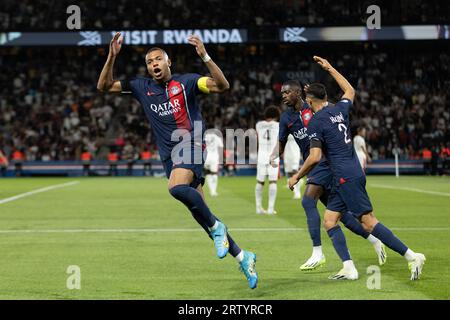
[115, 44]
[323, 63]
[199, 46]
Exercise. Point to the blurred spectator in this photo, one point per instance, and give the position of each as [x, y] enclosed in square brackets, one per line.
[18, 157]
[434, 160]
[445, 158]
[3, 164]
[86, 158]
[124, 14]
[113, 158]
[50, 108]
[426, 157]
[129, 155]
[146, 157]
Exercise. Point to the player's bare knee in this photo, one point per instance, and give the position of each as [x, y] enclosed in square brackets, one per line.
[329, 223]
[366, 227]
[330, 219]
[313, 191]
[368, 221]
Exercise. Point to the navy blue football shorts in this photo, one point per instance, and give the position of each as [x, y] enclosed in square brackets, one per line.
[350, 196]
[321, 175]
[194, 162]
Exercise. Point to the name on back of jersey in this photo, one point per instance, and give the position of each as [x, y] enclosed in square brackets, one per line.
[337, 119]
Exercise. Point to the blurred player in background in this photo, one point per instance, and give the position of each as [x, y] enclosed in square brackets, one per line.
[267, 132]
[329, 136]
[291, 160]
[360, 147]
[319, 181]
[214, 148]
[170, 106]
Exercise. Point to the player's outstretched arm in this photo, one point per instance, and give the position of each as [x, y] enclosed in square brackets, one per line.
[106, 82]
[217, 83]
[315, 154]
[349, 92]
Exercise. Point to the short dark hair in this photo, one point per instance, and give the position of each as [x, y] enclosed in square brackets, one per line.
[272, 112]
[317, 90]
[295, 84]
[157, 49]
[292, 83]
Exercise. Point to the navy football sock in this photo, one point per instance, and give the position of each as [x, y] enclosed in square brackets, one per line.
[193, 200]
[180, 194]
[234, 248]
[313, 219]
[389, 239]
[353, 225]
[340, 245]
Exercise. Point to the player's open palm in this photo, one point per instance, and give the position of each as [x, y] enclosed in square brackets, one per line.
[323, 63]
[199, 46]
[116, 44]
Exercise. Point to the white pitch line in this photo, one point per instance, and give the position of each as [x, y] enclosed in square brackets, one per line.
[192, 230]
[168, 230]
[30, 193]
[436, 193]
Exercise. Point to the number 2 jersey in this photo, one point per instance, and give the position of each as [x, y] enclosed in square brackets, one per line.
[330, 126]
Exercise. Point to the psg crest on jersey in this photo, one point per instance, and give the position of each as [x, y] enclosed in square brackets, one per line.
[174, 90]
[306, 116]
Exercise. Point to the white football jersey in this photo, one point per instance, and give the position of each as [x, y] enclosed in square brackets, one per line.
[213, 144]
[267, 139]
[291, 150]
[359, 144]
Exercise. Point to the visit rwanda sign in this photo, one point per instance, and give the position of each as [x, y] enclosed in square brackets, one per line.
[131, 37]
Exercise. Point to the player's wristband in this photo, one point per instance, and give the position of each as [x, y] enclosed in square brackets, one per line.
[206, 58]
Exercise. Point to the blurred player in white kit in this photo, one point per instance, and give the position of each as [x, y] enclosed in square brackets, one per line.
[292, 163]
[360, 147]
[214, 149]
[267, 131]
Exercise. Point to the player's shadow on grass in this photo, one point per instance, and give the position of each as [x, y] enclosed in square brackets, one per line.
[270, 288]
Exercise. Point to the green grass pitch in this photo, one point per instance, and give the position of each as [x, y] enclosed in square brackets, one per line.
[131, 240]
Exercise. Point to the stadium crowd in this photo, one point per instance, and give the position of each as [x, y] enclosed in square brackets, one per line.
[51, 15]
[50, 109]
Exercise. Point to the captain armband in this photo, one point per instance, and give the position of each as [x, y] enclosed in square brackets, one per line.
[315, 143]
[201, 83]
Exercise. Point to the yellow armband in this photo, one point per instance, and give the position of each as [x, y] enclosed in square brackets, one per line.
[201, 83]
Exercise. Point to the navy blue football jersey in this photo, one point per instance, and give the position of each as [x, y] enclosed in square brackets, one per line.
[296, 123]
[331, 127]
[168, 106]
